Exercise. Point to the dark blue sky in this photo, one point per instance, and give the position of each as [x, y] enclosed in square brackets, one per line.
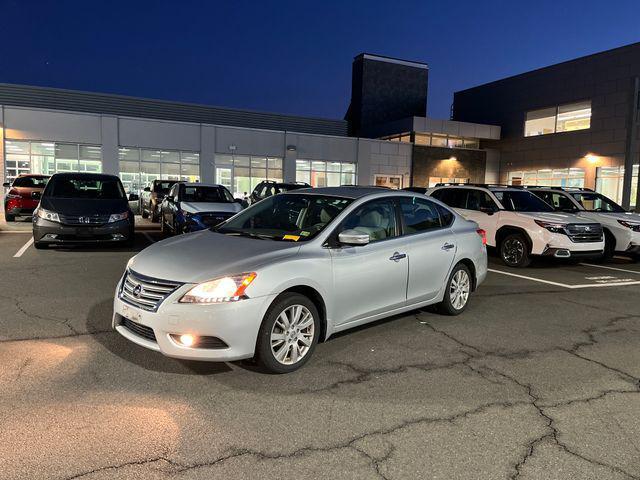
[294, 56]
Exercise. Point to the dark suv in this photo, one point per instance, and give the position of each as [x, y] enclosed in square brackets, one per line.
[83, 208]
[267, 188]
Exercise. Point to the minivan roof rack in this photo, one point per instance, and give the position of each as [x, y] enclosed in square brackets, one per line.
[485, 185]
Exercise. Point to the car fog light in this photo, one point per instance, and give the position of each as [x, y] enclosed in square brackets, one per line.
[117, 236]
[186, 340]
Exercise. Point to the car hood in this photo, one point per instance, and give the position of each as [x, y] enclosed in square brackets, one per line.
[76, 206]
[556, 217]
[205, 255]
[200, 207]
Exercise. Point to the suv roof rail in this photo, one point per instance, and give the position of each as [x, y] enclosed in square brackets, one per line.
[485, 185]
[564, 189]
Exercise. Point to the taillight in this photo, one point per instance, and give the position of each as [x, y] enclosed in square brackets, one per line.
[483, 235]
[13, 194]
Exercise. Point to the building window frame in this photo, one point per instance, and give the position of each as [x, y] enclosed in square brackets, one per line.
[311, 171]
[557, 113]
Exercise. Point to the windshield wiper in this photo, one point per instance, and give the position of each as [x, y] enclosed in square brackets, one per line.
[260, 236]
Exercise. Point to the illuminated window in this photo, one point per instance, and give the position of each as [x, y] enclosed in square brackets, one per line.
[610, 180]
[558, 177]
[325, 174]
[241, 173]
[564, 118]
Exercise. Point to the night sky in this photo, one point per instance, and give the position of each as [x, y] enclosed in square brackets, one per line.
[294, 56]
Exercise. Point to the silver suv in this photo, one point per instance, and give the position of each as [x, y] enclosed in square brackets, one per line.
[295, 268]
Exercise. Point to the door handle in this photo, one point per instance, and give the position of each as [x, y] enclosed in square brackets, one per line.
[396, 257]
[448, 246]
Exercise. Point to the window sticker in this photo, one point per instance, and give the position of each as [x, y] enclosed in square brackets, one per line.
[305, 233]
[295, 238]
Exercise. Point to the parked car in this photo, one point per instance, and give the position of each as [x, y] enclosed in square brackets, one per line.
[293, 270]
[81, 208]
[621, 228]
[268, 188]
[23, 195]
[194, 206]
[520, 225]
[151, 197]
[422, 190]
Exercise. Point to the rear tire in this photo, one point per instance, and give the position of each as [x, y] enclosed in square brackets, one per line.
[514, 251]
[155, 217]
[144, 213]
[288, 334]
[457, 291]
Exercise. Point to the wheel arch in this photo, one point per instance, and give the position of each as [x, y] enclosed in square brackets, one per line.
[507, 230]
[467, 262]
[315, 296]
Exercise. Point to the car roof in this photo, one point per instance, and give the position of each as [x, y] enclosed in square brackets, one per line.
[33, 175]
[198, 184]
[491, 188]
[94, 176]
[352, 192]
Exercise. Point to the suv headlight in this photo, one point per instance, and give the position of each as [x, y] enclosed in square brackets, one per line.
[225, 289]
[553, 227]
[116, 217]
[47, 215]
[633, 226]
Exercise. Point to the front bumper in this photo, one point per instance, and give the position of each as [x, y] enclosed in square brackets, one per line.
[49, 232]
[235, 323]
[557, 241]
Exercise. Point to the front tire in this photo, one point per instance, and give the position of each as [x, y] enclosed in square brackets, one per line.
[10, 218]
[609, 245]
[514, 251]
[288, 334]
[457, 292]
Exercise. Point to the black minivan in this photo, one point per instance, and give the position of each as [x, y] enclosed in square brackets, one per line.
[81, 208]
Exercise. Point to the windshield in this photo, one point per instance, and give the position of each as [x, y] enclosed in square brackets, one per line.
[293, 217]
[206, 194]
[595, 202]
[515, 201]
[164, 187]
[106, 188]
[30, 182]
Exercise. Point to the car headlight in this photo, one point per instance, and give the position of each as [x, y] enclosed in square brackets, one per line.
[553, 227]
[225, 289]
[633, 226]
[47, 215]
[116, 217]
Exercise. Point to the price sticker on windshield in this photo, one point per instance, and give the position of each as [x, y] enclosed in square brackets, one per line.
[295, 238]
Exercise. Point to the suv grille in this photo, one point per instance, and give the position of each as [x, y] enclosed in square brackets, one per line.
[84, 220]
[145, 292]
[140, 330]
[584, 232]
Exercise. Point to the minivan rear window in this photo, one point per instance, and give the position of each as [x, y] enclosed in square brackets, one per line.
[91, 188]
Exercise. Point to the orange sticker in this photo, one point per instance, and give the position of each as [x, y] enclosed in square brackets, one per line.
[295, 238]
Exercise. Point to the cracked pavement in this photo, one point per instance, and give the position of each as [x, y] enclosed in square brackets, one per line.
[532, 382]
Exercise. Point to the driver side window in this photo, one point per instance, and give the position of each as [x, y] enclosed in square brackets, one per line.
[376, 218]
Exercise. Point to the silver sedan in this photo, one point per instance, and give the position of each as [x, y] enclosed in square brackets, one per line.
[293, 269]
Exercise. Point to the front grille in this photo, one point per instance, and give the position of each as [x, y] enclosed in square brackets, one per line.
[584, 232]
[213, 219]
[84, 219]
[145, 292]
[140, 330]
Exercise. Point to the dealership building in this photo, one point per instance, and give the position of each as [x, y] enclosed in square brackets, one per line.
[572, 124]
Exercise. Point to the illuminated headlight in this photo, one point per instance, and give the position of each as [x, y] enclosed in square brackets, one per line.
[633, 226]
[47, 215]
[553, 227]
[116, 217]
[226, 289]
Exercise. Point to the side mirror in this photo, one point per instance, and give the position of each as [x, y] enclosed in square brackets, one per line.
[133, 197]
[36, 195]
[147, 189]
[353, 237]
[487, 210]
[6, 184]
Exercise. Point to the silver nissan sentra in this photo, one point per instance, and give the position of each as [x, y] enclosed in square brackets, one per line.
[294, 269]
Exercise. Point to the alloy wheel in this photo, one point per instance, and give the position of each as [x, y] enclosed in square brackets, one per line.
[459, 289]
[513, 251]
[292, 334]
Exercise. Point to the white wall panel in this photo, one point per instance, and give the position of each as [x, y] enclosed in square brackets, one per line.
[35, 124]
[159, 134]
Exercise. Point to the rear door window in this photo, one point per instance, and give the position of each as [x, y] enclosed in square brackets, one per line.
[419, 215]
[480, 201]
[454, 197]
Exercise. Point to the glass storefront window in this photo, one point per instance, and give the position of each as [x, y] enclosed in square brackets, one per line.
[438, 140]
[325, 174]
[50, 157]
[242, 173]
[190, 172]
[610, 182]
[559, 177]
[156, 165]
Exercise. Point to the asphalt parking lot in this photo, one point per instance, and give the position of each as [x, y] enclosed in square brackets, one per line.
[539, 378]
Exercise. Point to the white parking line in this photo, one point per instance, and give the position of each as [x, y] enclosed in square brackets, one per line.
[148, 237]
[23, 248]
[564, 285]
[611, 268]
